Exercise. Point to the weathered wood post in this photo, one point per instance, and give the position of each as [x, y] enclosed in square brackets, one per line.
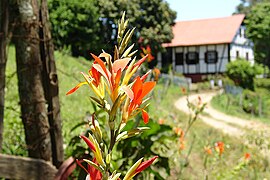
[50, 84]
[31, 93]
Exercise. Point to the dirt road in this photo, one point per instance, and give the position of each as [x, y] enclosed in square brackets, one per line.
[230, 125]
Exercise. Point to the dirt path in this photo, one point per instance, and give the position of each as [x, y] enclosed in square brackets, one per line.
[230, 125]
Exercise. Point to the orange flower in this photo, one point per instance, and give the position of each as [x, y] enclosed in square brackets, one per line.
[177, 131]
[147, 51]
[219, 146]
[182, 144]
[199, 100]
[156, 73]
[139, 90]
[181, 135]
[208, 150]
[161, 121]
[247, 156]
[183, 90]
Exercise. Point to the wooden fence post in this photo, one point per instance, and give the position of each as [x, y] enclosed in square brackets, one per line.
[16, 167]
[50, 84]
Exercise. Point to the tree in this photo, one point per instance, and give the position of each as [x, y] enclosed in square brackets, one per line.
[3, 59]
[75, 25]
[153, 20]
[245, 6]
[31, 93]
[258, 30]
[87, 26]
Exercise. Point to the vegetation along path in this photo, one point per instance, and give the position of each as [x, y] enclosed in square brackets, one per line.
[230, 125]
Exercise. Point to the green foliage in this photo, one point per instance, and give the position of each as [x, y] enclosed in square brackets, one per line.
[242, 73]
[87, 26]
[245, 6]
[152, 19]
[250, 102]
[74, 111]
[75, 25]
[155, 141]
[248, 105]
[258, 27]
[14, 138]
[263, 83]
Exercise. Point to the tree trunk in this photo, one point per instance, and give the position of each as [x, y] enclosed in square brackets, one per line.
[50, 84]
[32, 100]
[3, 59]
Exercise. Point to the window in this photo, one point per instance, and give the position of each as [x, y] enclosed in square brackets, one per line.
[237, 54]
[179, 58]
[167, 57]
[211, 57]
[247, 56]
[192, 58]
[240, 32]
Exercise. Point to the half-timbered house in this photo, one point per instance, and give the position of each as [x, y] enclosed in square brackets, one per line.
[202, 47]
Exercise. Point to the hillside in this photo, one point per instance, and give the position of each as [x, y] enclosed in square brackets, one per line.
[73, 107]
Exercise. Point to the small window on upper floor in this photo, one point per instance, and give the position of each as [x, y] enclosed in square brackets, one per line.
[192, 58]
[240, 32]
[179, 58]
[244, 33]
[211, 57]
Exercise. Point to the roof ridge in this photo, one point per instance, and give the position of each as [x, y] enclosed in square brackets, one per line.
[210, 19]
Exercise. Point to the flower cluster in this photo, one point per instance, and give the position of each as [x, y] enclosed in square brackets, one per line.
[122, 96]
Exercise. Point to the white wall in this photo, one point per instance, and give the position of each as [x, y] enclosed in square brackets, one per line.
[242, 45]
[202, 66]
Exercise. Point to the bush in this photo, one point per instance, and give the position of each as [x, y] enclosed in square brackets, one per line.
[262, 83]
[242, 73]
[250, 102]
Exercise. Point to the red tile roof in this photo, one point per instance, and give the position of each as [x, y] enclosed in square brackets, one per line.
[205, 31]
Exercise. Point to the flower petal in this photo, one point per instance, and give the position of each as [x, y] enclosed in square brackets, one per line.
[145, 165]
[103, 69]
[120, 64]
[140, 61]
[145, 116]
[89, 143]
[145, 76]
[75, 88]
[79, 163]
[128, 92]
[147, 87]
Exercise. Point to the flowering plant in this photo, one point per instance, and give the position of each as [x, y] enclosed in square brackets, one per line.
[122, 97]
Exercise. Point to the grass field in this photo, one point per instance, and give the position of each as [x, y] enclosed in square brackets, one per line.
[74, 109]
[230, 104]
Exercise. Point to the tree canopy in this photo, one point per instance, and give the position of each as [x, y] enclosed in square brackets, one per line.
[258, 28]
[90, 24]
[245, 6]
[75, 24]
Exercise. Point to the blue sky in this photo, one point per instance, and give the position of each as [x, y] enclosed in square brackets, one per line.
[201, 9]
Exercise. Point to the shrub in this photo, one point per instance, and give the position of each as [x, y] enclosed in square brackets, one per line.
[242, 73]
[262, 83]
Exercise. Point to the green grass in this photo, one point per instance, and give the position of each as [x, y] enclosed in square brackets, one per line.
[75, 106]
[162, 107]
[229, 104]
